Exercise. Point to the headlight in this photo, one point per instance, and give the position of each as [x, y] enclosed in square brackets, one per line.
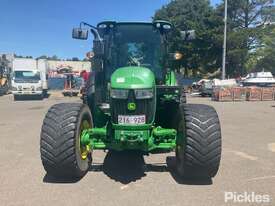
[144, 93]
[14, 89]
[119, 93]
[39, 88]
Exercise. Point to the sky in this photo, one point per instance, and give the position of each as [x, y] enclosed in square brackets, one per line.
[36, 27]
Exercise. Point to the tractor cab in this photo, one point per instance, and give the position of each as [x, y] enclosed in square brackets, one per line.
[132, 49]
[135, 44]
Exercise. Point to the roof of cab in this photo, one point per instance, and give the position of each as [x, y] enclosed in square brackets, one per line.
[134, 22]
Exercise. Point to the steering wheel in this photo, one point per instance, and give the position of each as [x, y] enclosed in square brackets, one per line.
[137, 61]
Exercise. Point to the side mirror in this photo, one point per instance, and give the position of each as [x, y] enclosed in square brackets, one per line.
[79, 33]
[188, 35]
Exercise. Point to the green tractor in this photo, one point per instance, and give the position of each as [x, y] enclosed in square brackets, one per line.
[132, 103]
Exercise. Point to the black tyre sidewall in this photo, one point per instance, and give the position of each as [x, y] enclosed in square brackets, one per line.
[180, 142]
[60, 140]
[184, 169]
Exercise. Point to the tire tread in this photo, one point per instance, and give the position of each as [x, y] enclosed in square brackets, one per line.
[202, 152]
[57, 144]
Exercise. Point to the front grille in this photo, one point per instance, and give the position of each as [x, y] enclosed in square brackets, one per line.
[143, 107]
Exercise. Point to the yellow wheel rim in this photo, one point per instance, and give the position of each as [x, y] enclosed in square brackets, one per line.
[84, 149]
[84, 152]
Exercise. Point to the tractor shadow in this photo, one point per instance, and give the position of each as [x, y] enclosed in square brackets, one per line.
[171, 164]
[50, 179]
[124, 167]
[127, 167]
[28, 98]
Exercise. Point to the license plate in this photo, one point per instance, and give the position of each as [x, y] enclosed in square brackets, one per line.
[131, 119]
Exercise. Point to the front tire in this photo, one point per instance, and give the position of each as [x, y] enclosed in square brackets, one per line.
[40, 97]
[61, 152]
[16, 97]
[198, 151]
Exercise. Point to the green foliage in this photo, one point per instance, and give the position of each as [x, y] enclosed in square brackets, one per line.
[264, 57]
[202, 54]
[42, 57]
[75, 59]
[54, 57]
[21, 56]
[248, 42]
[245, 20]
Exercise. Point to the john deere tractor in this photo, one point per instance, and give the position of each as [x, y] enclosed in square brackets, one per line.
[132, 102]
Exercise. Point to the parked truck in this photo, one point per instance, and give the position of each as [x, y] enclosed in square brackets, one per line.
[29, 78]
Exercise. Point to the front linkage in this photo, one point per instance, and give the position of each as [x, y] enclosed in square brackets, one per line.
[135, 137]
[68, 138]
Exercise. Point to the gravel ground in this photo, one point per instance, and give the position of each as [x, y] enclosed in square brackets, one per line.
[248, 163]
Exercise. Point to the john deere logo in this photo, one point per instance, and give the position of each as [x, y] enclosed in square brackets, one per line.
[131, 106]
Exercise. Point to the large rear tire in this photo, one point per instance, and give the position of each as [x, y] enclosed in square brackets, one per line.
[198, 151]
[61, 152]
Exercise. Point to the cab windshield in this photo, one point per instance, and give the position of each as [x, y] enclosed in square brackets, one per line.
[138, 45]
[27, 75]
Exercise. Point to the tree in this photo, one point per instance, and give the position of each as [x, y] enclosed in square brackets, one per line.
[245, 18]
[42, 57]
[203, 54]
[75, 59]
[245, 33]
[21, 56]
[54, 57]
[18, 56]
[264, 57]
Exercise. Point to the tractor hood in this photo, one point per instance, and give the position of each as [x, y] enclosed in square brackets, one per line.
[132, 78]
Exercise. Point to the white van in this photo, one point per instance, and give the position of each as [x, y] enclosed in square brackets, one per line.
[29, 77]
